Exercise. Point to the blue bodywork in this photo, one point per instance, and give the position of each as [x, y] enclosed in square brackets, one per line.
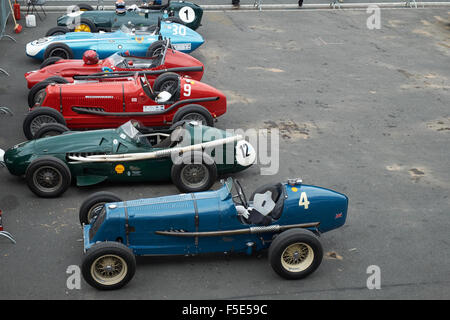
[209, 211]
[136, 42]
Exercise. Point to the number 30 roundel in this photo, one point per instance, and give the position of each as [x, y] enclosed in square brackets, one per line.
[245, 153]
[187, 14]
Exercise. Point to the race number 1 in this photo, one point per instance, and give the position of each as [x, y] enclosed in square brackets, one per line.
[187, 14]
[303, 200]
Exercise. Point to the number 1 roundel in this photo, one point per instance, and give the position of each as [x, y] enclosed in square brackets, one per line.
[187, 14]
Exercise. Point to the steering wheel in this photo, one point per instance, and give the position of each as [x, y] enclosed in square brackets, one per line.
[240, 194]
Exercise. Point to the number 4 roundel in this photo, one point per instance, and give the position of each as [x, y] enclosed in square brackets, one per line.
[187, 14]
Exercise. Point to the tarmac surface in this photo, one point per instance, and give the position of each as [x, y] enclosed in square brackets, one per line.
[364, 112]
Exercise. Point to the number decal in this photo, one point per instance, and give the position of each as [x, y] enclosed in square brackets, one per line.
[244, 150]
[179, 30]
[187, 14]
[187, 90]
[303, 200]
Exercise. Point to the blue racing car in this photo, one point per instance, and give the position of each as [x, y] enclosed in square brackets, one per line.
[138, 42]
[286, 218]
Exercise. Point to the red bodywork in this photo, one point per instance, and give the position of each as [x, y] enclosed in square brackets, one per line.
[69, 68]
[127, 100]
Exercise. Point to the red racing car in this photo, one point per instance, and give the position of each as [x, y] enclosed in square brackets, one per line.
[163, 59]
[107, 101]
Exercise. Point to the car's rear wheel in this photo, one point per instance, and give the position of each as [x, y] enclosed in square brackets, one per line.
[50, 130]
[39, 116]
[194, 171]
[85, 25]
[58, 50]
[57, 31]
[49, 61]
[108, 265]
[48, 177]
[194, 112]
[92, 206]
[295, 253]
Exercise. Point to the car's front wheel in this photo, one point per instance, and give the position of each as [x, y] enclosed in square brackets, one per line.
[36, 94]
[93, 205]
[193, 172]
[61, 50]
[48, 177]
[295, 253]
[194, 112]
[108, 265]
[57, 31]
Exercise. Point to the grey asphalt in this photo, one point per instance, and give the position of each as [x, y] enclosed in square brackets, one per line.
[364, 112]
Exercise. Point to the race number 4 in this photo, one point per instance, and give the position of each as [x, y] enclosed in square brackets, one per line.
[303, 200]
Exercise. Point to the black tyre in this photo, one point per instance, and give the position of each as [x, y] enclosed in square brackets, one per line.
[295, 253]
[85, 25]
[49, 61]
[57, 31]
[167, 82]
[85, 7]
[108, 265]
[48, 177]
[36, 94]
[194, 112]
[194, 171]
[58, 50]
[50, 130]
[155, 48]
[37, 117]
[91, 207]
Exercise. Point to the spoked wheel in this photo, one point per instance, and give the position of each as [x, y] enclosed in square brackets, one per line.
[50, 130]
[295, 253]
[48, 177]
[93, 205]
[39, 116]
[193, 172]
[167, 82]
[108, 265]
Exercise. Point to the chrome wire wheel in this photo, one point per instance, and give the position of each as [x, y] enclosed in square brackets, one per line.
[39, 97]
[109, 269]
[38, 121]
[47, 179]
[194, 175]
[194, 116]
[297, 257]
[169, 86]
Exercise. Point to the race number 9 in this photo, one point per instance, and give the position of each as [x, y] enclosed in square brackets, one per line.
[187, 90]
[187, 14]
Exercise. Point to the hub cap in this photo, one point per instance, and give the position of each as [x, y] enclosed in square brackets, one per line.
[194, 175]
[47, 179]
[82, 28]
[297, 257]
[109, 269]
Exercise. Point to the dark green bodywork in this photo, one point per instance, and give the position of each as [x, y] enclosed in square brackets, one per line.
[110, 142]
[108, 20]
